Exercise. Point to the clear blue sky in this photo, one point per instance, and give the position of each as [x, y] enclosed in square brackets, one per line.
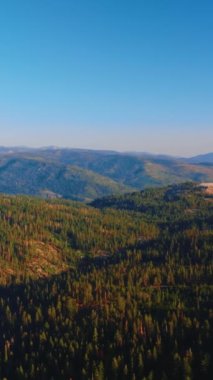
[125, 75]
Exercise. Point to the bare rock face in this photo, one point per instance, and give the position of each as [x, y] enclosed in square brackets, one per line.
[208, 187]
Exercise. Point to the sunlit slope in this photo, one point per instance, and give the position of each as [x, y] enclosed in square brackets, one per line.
[136, 171]
[185, 201]
[35, 176]
[40, 238]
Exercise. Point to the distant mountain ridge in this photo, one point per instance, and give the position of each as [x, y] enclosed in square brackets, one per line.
[205, 157]
[202, 158]
[19, 175]
[83, 174]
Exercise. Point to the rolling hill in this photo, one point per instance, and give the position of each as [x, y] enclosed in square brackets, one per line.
[89, 294]
[44, 237]
[87, 174]
[35, 176]
[41, 238]
[203, 158]
[166, 204]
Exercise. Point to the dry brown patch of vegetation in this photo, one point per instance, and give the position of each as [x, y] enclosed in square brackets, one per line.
[44, 259]
[208, 187]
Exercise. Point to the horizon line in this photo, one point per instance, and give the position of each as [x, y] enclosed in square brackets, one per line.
[108, 150]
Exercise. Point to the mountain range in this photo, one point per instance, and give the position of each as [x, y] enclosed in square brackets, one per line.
[84, 175]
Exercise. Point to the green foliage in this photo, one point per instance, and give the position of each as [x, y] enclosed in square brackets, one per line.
[185, 202]
[48, 179]
[133, 302]
[85, 175]
[39, 237]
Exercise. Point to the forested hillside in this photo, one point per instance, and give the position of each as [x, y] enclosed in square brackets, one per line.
[107, 293]
[39, 238]
[184, 202]
[85, 175]
[37, 176]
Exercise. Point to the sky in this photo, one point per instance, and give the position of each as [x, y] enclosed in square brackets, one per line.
[128, 75]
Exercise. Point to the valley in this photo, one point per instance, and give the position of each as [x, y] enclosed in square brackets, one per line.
[85, 175]
[118, 289]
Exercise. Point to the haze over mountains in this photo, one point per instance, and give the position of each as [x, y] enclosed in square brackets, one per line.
[203, 158]
[84, 175]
